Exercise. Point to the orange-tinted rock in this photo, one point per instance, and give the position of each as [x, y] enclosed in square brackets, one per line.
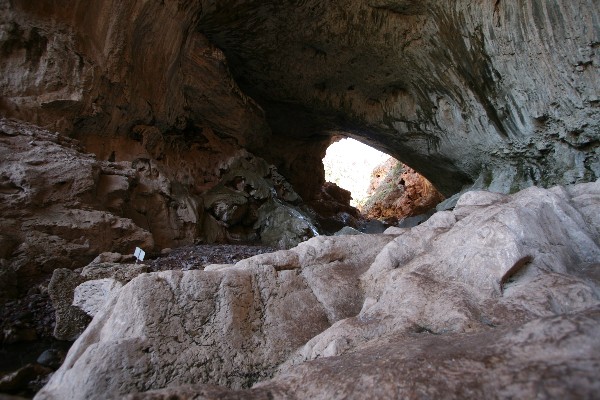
[398, 191]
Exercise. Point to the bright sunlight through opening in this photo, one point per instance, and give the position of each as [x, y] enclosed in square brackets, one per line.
[349, 164]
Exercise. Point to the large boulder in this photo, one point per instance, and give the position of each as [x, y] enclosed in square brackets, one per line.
[499, 294]
[253, 202]
[78, 295]
[228, 325]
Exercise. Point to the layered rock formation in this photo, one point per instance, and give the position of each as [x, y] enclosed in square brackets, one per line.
[55, 203]
[169, 116]
[497, 91]
[499, 298]
[61, 207]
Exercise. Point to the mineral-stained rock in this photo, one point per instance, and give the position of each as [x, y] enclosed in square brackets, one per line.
[397, 192]
[481, 302]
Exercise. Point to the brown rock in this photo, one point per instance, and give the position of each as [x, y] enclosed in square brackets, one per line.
[50, 216]
[333, 210]
[397, 192]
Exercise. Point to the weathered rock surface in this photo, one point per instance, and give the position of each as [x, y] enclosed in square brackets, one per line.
[52, 214]
[77, 296]
[485, 301]
[62, 207]
[498, 91]
[502, 94]
[333, 210]
[397, 192]
[253, 202]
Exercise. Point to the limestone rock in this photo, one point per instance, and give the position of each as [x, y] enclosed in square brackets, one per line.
[333, 210]
[50, 216]
[459, 93]
[254, 202]
[91, 296]
[499, 297]
[232, 326]
[498, 363]
[70, 320]
[462, 94]
[283, 226]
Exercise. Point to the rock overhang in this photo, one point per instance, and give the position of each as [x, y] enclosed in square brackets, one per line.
[493, 92]
[497, 94]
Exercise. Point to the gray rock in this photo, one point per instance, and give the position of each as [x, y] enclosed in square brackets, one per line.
[51, 358]
[107, 257]
[373, 226]
[283, 226]
[73, 311]
[91, 296]
[475, 297]
[232, 326]
[347, 230]
[70, 320]
[411, 222]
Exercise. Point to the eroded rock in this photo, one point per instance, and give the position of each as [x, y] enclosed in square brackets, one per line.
[503, 289]
[397, 192]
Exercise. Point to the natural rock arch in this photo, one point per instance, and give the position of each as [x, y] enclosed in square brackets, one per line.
[451, 88]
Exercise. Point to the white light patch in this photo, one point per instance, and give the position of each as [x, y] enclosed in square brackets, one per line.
[349, 164]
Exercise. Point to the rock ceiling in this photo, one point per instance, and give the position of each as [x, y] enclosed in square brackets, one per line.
[504, 94]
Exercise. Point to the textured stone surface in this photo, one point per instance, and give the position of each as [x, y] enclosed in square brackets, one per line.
[485, 301]
[502, 94]
[230, 326]
[77, 296]
[62, 207]
[253, 202]
[51, 214]
[397, 192]
[91, 296]
[70, 320]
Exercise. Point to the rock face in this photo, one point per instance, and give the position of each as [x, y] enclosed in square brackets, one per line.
[484, 301]
[62, 207]
[502, 95]
[55, 204]
[397, 191]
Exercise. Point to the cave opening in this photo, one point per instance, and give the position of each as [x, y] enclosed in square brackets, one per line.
[350, 164]
[381, 186]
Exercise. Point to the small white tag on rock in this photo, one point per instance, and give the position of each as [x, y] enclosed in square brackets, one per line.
[139, 254]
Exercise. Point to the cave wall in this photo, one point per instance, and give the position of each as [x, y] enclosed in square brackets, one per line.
[491, 92]
[104, 72]
[501, 92]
